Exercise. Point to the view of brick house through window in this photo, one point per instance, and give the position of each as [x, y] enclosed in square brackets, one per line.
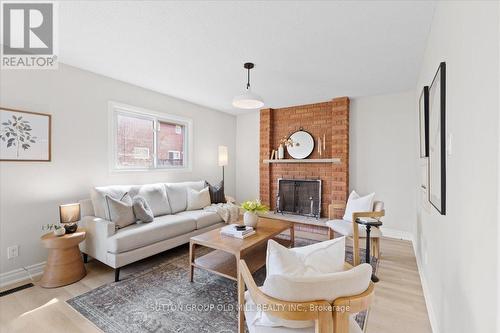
[170, 144]
[136, 138]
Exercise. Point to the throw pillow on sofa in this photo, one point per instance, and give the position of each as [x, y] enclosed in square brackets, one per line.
[141, 208]
[216, 192]
[197, 199]
[156, 197]
[121, 211]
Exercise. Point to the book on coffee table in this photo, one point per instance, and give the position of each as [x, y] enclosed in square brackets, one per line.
[230, 230]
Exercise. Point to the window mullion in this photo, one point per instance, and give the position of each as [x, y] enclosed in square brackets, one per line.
[155, 143]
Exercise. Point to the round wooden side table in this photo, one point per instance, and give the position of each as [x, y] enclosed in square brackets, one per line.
[64, 264]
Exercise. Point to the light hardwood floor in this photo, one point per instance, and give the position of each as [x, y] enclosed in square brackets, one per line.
[399, 304]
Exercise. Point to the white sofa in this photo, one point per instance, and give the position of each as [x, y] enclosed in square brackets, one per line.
[173, 225]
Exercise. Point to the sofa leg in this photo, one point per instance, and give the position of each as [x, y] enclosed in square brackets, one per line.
[117, 274]
[85, 258]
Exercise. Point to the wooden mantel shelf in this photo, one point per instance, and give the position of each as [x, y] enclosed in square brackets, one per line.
[307, 160]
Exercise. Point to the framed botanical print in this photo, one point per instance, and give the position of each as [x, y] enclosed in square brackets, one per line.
[437, 140]
[24, 136]
[423, 107]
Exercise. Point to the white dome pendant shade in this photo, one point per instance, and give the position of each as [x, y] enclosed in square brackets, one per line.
[248, 100]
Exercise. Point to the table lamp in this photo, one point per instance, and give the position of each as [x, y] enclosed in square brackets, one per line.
[69, 215]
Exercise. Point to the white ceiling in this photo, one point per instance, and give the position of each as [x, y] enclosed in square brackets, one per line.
[304, 51]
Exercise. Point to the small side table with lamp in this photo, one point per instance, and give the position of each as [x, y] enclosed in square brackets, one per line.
[64, 263]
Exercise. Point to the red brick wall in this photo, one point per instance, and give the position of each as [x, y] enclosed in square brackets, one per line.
[330, 119]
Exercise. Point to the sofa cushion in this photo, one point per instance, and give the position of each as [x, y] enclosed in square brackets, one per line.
[202, 217]
[177, 194]
[345, 229]
[98, 196]
[155, 196]
[140, 235]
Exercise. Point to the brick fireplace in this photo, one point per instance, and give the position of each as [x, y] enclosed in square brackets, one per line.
[327, 119]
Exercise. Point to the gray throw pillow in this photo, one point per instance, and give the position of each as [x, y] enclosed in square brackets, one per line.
[142, 210]
[120, 211]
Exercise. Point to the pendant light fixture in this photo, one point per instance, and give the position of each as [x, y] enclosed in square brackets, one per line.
[248, 100]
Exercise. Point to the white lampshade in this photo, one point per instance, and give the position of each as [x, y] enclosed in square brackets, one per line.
[223, 156]
[69, 213]
[248, 100]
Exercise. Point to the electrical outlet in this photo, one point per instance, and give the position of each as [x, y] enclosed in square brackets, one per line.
[12, 251]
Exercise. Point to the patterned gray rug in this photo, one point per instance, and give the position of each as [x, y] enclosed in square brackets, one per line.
[161, 299]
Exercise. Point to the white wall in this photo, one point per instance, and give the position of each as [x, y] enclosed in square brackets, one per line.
[247, 156]
[78, 101]
[457, 253]
[382, 153]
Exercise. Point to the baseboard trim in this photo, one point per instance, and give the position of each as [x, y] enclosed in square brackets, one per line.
[396, 234]
[20, 274]
[426, 291]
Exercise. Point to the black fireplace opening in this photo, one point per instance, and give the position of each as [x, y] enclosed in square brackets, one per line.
[299, 197]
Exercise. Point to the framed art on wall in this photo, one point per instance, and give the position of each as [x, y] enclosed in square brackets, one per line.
[437, 140]
[24, 136]
[423, 108]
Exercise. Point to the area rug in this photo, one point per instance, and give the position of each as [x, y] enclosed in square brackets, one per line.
[161, 299]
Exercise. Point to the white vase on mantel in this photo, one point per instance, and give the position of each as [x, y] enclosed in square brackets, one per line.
[250, 219]
[281, 152]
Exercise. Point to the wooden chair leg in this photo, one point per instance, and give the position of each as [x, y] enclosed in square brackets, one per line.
[241, 303]
[324, 323]
[376, 247]
[341, 322]
[355, 251]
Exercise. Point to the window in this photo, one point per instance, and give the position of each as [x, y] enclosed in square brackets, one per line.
[145, 140]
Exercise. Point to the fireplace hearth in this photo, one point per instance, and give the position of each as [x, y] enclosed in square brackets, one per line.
[299, 197]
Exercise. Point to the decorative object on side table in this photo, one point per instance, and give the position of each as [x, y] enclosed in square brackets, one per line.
[69, 216]
[64, 263]
[302, 144]
[25, 136]
[58, 230]
[252, 208]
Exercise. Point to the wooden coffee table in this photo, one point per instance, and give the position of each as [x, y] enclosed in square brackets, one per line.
[229, 250]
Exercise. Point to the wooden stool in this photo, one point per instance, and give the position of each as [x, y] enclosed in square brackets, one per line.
[64, 264]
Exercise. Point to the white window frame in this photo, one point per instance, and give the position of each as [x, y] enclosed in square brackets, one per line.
[116, 108]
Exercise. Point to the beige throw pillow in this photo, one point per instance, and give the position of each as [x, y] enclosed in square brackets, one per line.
[198, 199]
[121, 211]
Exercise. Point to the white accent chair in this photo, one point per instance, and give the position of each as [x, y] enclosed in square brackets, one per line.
[329, 316]
[356, 231]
